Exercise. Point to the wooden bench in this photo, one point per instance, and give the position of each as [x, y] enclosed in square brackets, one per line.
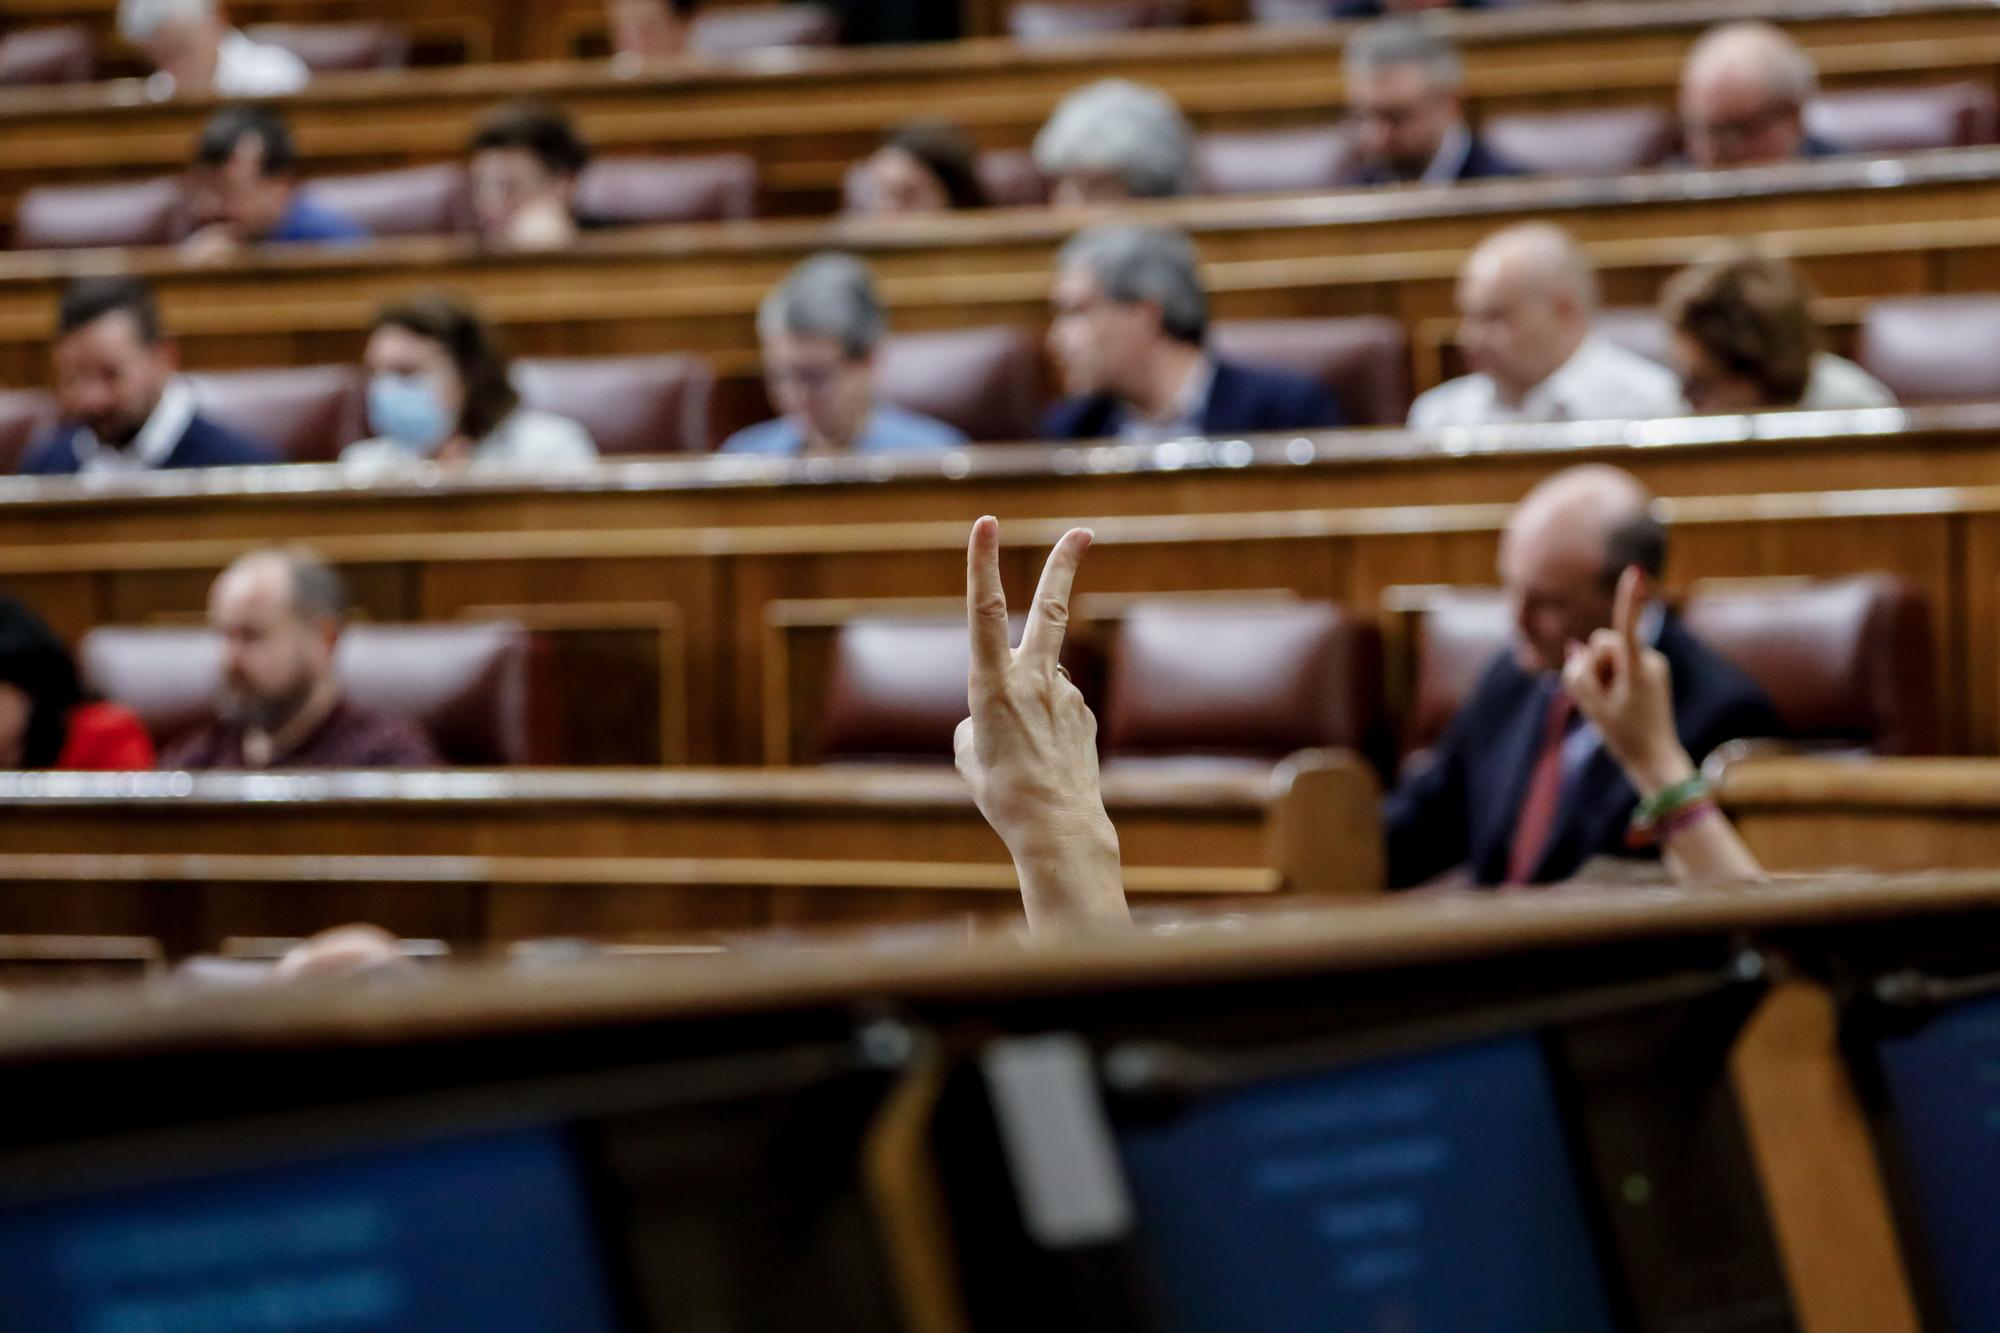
[490, 856]
[1803, 814]
[1533, 58]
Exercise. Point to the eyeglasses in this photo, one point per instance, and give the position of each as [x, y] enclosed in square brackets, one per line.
[1741, 129]
[806, 379]
[1391, 116]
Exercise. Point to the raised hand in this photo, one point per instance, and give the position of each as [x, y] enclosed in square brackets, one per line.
[1626, 690]
[1029, 749]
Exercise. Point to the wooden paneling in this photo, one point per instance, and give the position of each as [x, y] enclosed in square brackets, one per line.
[1879, 814]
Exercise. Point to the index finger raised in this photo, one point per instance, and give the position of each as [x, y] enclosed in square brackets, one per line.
[986, 601]
[1629, 607]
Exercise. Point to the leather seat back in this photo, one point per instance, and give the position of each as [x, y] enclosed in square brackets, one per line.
[65, 54]
[1901, 120]
[987, 382]
[1275, 161]
[629, 404]
[1602, 142]
[125, 213]
[1934, 349]
[308, 415]
[26, 415]
[1035, 21]
[331, 48]
[720, 33]
[1364, 359]
[412, 201]
[642, 191]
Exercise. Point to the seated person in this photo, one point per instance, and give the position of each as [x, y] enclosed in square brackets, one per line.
[1520, 791]
[45, 723]
[1745, 340]
[245, 189]
[1114, 141]
[1743, 98]
[440, 389]
[645, 31]
[524, 160]
[279, 615]
[1129, 333]
[124, 404]
[821, 329]
[1406, 101]
[1526, 300]
[198, 53]
[926, 166]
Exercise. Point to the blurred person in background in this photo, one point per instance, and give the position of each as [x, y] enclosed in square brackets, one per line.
[244, 189]
[645, 31]
[125, 406]
[1743, 97]
[1745, 340]
[1130, 333]
[1406, 103]
[1113, 141]
[440, 389]
[821, 330]
[523, 161]
[45, 720]
[199, 54]
[1527, 299]
[922, 167]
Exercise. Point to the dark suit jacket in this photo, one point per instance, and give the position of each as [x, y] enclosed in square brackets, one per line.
[1461, 809]
[204, 445]
[1481, 163]
[1241, 401]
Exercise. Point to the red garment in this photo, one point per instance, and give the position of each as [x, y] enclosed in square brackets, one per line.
[1537, 819]
[104, 738]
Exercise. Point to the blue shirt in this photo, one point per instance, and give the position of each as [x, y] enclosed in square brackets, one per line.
[306, 222]
[889, 430]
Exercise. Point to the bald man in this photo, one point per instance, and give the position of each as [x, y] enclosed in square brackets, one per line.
[1521, 790]
[1743, 99]
[279, 614]
[1526, 300]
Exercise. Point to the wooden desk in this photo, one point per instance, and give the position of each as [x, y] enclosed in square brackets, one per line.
[471, 856]
[1531, 58]
[1865, 228]
[1870, 814]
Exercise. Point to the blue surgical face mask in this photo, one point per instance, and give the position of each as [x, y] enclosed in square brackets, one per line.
[405, 409]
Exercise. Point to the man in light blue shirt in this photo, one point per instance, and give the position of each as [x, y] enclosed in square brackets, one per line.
[820, 330]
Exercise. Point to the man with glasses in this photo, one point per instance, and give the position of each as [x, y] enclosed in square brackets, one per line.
[821, 329]
[1405, 102]
[1743, 97]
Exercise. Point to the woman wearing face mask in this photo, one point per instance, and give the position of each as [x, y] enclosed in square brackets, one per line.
[45, 722]
[439, 389]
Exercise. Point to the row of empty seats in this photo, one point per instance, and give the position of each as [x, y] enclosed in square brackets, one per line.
[992, 383]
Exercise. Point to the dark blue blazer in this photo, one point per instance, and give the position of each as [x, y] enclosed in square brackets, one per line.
[204, 445]
[1481, 163]
[1460, 810]
[1241, 401]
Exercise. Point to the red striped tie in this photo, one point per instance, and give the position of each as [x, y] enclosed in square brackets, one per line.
[1537, 819]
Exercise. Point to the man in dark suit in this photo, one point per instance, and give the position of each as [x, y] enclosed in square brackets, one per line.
[125, 407]
[1405, 102]
[1131, 321]
[1520, 790]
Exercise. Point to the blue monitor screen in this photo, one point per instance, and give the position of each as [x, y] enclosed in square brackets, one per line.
[488, 1234]
[1944, 1090]
[1425, 1194]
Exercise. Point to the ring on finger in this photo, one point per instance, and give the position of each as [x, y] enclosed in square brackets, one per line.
[1063, 671]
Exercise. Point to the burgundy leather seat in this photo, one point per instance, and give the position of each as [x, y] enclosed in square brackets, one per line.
[896, 691]
[1934, 349]
[987, 382]
[1284, 13]
[635, 191]
[25, 416]
[1275, 161]
[76, 217]
[478, 689]
[412, 201]
[307, 414]
[1584, 143]
[1896, 120]
[329, 48]
[1235, 681]
[732, 32]
[629, 404]
[66, 54]
[1011, 178]
[1364, 359]
[1033, 21]
[1848, 662]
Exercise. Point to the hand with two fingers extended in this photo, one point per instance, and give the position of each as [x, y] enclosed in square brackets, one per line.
[1029, 748]
[1624, 687]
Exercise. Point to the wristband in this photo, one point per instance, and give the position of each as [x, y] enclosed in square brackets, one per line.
[1660, 814]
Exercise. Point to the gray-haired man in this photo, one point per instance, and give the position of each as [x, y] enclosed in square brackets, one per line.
[1405, 101]
[820, 330]
[1130, 335]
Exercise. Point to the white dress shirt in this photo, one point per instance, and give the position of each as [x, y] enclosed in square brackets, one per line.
[244, 68]
[1183, 416]
[1838, 385]
[1601, 381]
[151, 447]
